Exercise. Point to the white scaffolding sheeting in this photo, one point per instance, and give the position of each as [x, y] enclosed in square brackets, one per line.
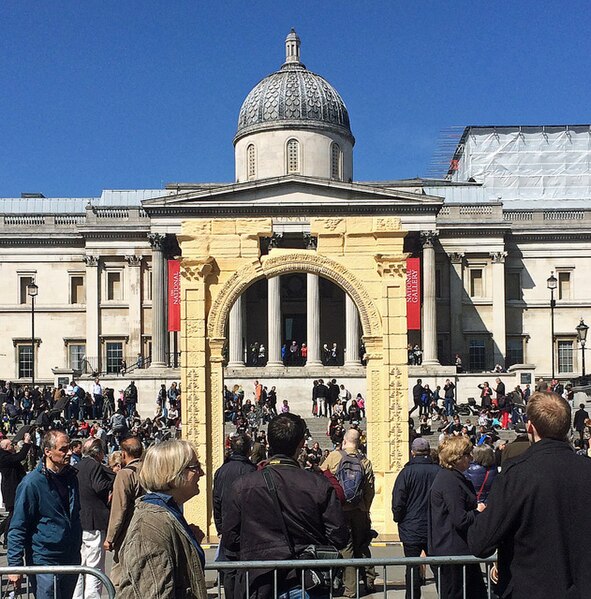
[537, 163]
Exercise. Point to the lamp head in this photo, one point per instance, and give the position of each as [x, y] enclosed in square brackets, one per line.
[32, 289]
[582, 329]
[552, 281]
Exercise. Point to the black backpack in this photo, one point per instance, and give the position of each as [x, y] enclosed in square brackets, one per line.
[351, 476]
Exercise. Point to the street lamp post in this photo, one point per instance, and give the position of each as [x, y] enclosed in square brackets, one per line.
[32, 291]
[552, 283]
[582, 337]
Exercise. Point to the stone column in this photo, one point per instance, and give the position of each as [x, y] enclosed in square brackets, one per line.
[456, 294]
[351, 332]
[313, 320]
[134, 299]
[159, 284]
[236, 335]
[274, 321]
[429, 325]
[92, 312]
[498, 307]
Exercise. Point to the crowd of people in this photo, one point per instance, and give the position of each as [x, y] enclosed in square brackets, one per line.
[294, 353]
[474, 494]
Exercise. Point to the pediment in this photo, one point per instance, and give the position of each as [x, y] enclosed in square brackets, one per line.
[291, 191]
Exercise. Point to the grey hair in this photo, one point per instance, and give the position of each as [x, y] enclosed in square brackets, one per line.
[93, 448]
[50, 438]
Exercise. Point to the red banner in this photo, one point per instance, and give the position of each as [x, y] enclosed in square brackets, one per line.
[413, 294]
[174, 295]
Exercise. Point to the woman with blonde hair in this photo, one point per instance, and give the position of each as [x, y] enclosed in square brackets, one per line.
[161, 556]
[452, 509]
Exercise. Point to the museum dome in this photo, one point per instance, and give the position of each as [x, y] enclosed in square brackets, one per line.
[293, 97]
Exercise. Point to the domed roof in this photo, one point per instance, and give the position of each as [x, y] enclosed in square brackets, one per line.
[293, 97]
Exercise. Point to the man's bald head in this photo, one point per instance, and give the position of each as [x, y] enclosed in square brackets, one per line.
[132, 449]
[351, 439]
[6, 444]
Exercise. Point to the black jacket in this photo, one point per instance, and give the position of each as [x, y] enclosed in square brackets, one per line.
[224, 478]
[452, 510]
[251, 526]
[538, 517]
[410, 497]
[580, 416]
[95, 483]
[12, 472]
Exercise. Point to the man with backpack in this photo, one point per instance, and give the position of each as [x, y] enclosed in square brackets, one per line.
[355, 474]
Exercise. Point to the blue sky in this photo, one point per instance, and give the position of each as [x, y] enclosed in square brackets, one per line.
[134, 94]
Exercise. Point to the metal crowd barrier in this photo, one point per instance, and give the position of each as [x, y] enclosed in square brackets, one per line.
[335, 566]
[7, 589]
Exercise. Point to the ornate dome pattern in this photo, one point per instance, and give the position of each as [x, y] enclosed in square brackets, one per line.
[295, 96]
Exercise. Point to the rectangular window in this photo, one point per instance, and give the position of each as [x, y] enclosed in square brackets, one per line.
[77, 289]
[148, 285]
[114, 288]
[25, 361]
[514, 351]
[438, 283]
[513, 286]
[77, 355]
[564, 287]
[23, 282]
[114, 356]
[477, 356]
[476, 286]
[565, 356]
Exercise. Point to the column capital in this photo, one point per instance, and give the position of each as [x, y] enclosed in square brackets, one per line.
[275, 240]
[428, 238]
[498, 257]
[196, 270]
[90, 260]
[456, 257]
[134, 260]
[311, 241]
[391, 266]
[157, 241]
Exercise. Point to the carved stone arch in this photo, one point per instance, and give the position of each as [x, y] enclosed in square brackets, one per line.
[280, 262]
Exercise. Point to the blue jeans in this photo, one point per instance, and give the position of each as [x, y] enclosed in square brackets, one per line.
[43, 586]
[449, 406]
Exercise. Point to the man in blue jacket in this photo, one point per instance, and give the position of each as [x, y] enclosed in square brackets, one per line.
[45, 529]
[410, 497]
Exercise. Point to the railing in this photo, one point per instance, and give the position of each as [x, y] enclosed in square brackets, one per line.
[541, 216]
[24, 220]
[112, 212]
[334, 567]
[69, 219]
[25, 588]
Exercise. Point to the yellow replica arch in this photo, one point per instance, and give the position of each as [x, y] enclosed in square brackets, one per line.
[362, 255]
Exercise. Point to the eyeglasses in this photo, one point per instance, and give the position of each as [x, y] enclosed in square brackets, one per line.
[194, 468]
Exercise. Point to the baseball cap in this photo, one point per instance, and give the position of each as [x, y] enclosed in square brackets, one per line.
[420, 444]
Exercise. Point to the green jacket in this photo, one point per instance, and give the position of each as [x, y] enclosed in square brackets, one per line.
[157, 558]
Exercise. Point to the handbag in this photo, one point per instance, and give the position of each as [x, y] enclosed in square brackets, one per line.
[314, 578]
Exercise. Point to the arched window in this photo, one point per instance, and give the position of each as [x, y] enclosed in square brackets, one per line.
[335, 162]
[293, 156]
[251, 162]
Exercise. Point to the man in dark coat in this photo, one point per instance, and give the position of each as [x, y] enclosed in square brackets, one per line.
[500, 389]
[537, 512]
[95, 482]
[252, 525]
[417, 391]
[579, 424]
[410, 498]
[237, 464]
[12, 472]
